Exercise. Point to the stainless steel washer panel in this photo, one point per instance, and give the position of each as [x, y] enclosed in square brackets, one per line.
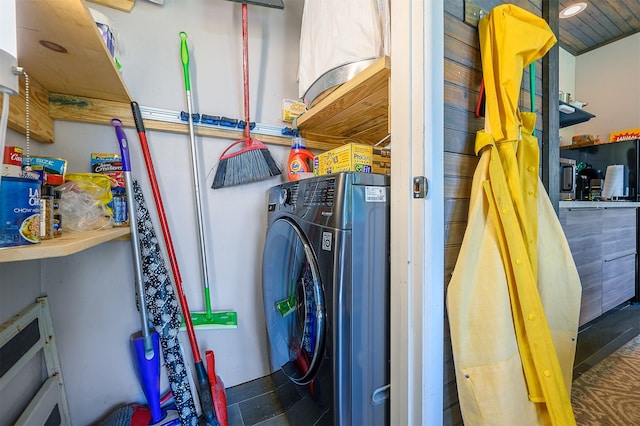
[322, 200]
[340, 224]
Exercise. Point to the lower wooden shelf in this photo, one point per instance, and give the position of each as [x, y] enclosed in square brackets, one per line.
[68, 243]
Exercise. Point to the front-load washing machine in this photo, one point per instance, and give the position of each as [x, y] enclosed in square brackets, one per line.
[325, 276]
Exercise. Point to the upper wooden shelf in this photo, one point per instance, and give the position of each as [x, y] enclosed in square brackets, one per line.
[357, 111]
[84, 67]
[61, 50]
[587, 144]
[123, 5]
[68, 243]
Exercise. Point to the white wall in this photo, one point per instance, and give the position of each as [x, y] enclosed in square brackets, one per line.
[91, 293]
[607, 78]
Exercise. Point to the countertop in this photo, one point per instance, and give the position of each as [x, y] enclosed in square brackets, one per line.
[598, 204]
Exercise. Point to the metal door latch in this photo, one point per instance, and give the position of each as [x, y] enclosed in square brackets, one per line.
[420, 187]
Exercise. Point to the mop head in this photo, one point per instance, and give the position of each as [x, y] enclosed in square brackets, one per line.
[248, 165]
[212, 321]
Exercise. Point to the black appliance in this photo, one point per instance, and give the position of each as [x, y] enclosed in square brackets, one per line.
[596, 158]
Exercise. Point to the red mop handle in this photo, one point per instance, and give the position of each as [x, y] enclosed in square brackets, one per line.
[245, 68]
[137, 117]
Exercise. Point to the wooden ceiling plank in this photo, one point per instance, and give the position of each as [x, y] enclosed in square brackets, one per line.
[601, 23]
[611, 17]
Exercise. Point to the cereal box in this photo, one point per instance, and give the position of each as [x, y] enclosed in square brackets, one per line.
[625, 135]
[292, 109]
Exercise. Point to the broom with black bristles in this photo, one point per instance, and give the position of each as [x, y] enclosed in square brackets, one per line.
[253, 162]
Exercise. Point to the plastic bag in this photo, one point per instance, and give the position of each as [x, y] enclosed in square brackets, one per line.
[103, 181]
[82, 206]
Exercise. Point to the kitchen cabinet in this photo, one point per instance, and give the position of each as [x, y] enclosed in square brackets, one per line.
[603, 245]
[572, 118]
[583, 230]
[619, 257]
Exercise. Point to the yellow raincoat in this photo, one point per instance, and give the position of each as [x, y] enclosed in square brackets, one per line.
[514, 297]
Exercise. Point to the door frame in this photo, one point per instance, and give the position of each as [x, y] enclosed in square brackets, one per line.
[417, 224]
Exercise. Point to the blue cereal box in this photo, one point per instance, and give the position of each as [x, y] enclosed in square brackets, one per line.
[19, 211]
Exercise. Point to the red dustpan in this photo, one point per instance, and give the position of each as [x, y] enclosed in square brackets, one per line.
[217, 390]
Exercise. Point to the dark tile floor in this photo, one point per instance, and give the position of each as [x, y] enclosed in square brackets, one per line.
[257, 403]
[604, 335]
[275, 400]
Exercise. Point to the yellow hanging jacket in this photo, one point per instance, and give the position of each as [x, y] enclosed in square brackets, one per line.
[514, 297]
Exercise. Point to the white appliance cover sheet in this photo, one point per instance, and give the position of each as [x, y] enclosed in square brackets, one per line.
[338, 32]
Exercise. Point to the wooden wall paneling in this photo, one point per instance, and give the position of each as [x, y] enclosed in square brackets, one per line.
[550, 138]
[454, 8]
[462, 98]
[461, 120]
[450, 256]
[40, 123]
[465, 34]
[461, 89]
[459, 164]
[461, 52]
[456, 210]
[463, 74]
[457, 187]
[460, 142]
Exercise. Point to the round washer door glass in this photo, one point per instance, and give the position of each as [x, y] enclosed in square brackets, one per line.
[293, 302]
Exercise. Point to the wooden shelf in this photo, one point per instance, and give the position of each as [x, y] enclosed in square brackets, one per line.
[75, 108]
[586, 145]
[123, 5]
[77, 61]
[85, 69]
[357, 111]
[68, 243]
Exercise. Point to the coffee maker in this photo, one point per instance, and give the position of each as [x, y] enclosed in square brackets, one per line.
[588, 183]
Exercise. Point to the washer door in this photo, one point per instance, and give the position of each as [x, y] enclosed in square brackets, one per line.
[293, 302]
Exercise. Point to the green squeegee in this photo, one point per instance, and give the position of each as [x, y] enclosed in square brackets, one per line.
[207, 319]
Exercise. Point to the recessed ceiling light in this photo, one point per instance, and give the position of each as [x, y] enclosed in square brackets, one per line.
[572, 10]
